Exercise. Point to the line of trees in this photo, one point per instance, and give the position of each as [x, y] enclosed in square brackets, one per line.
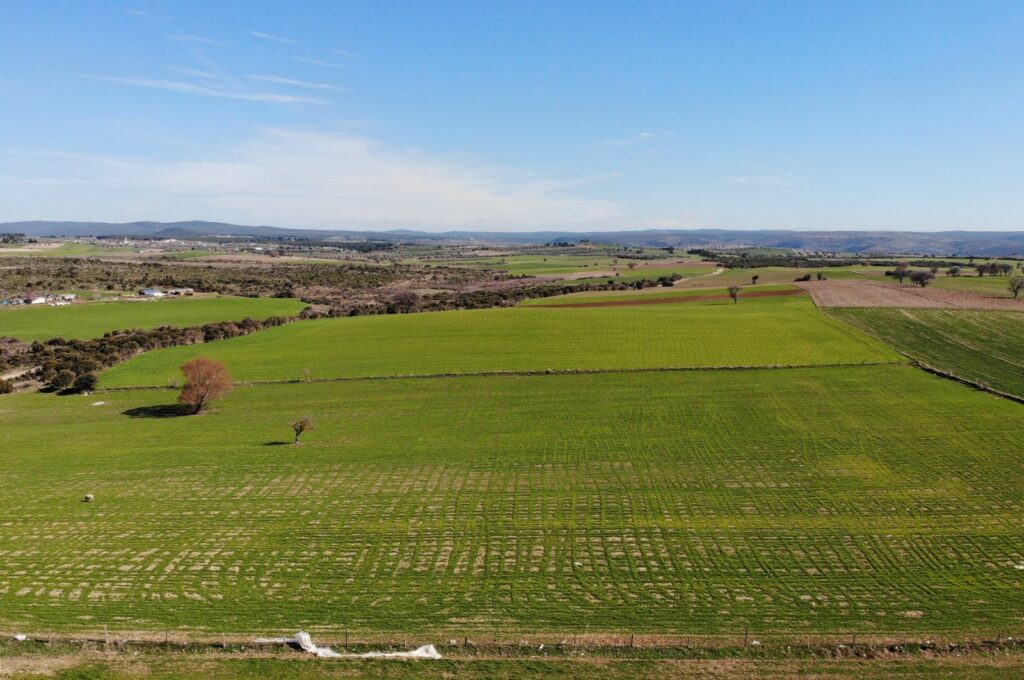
[74, 364]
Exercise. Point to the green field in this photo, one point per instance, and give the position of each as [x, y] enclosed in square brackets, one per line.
[92, 320]
[761, 332]
[533, 265]
[655, 293]
[626, 275]
[995, 286]
[190, 254]
[981, 346]
[67, 250]
[780, 275]
[548, 265]
[874, 498]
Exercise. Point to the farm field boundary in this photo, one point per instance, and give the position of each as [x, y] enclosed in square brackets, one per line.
[90, 320]
[983, 349]
[524, 658]
[513, 374]
[762, 332]
[854, 293]
[678, 299]
[483, 504]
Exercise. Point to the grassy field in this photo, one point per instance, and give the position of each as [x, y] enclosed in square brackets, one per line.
[655, 293]
[93, 319]
[977, 345]
[191, 254]
[761, 332]
[549, 265]
[775, 275]
[861, 498]
[995, 286]
[66, 250]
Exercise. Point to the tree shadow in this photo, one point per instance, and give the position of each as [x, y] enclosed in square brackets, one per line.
[161, 411]
[276, 443]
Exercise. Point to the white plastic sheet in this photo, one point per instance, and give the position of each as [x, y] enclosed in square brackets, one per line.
[303, 641]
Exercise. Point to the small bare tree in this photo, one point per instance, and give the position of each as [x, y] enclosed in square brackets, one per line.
[303, 424]
[734, 293]
[205, 380]
[1016, 285]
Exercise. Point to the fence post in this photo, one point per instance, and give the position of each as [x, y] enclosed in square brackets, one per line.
[745, 631]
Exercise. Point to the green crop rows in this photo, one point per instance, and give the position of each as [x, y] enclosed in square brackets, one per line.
[980, 346]
[817, 499]
[761, 332]
[92, 320]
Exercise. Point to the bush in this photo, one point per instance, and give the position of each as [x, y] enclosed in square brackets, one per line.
[86, 382]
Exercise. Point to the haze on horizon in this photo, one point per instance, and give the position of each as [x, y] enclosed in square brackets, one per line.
[518, 116]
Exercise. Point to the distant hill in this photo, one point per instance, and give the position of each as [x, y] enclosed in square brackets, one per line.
[980, 243]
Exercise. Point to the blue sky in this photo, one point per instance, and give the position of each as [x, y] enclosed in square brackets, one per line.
[515, 115]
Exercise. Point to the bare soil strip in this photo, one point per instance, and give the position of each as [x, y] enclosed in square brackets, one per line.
[851, 293]
[677, 300]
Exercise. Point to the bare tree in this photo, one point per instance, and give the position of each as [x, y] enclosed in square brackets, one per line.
[303, 424]
[901, 272]
[1016, 285]
[734, 293]
[205, 381]
[405, 302]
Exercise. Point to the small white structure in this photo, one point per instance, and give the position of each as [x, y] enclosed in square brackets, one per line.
[37, 301]
[152, 292]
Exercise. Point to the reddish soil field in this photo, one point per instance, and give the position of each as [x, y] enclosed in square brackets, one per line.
[678, 299]
[847, 293]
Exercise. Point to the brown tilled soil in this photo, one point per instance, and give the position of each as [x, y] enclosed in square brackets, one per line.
[678, 299]
[851, 293]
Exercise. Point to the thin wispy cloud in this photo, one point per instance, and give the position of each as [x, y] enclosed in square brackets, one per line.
[314, 179]
[638, 138]
[762, 180]
[204, 91]
[202, 40]
[272, 38]
[279, 80]
[149, 15]
[346, 53]
[318, 62]
[196, 73]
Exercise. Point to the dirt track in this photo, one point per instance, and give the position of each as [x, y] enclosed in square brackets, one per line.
[678, 299]
[850, 293]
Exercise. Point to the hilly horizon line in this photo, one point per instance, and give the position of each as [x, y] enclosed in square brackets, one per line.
[981, 243]
[622, 230]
